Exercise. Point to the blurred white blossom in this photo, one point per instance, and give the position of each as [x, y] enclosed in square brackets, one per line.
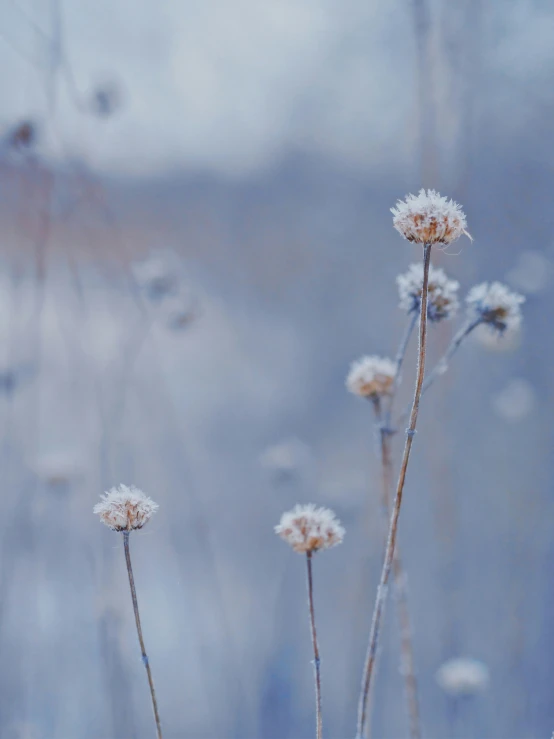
[58, 468]
[156, 277]
[516, 400]
[125, 508]
[371, 376]
[308, 529]
[287, 459]
[428, 218]
[463, 676]
[531, 273]
[494, 341]
[496, 305]
[442, 292]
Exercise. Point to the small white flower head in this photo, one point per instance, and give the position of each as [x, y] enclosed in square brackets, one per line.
[463, 676]
[496, 305]
[308, 529]
[428, 218]
[125, 508]
[442, 299]
[371, 377]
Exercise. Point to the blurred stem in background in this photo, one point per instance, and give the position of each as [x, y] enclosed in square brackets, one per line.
[139, 632]
[393, 526]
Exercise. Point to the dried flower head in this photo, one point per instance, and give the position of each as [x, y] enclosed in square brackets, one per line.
[463, 676]
[125, 508]
[496, 305]
[428, 218]
[308, 529]
[442, 301]
[371, 377]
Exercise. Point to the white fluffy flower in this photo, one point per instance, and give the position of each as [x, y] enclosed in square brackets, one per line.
[308, 528]
[125, 508]
[463, 676]
[442, 300]
[496, 305]
[428, 218]
[371, 377]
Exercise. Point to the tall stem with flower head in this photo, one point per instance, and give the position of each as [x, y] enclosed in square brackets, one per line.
[125, 509]
[308, 529]
[393, 526]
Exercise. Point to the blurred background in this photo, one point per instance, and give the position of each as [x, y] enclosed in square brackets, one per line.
[195, 242]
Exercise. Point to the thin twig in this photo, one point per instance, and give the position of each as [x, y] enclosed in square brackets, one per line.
[393, 527]
[139, 631]
[400, 585]
[442, 365]
[317, 675]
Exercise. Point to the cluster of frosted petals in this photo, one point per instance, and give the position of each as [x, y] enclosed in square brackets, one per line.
[496, 305]
[371, 377]
[428, 218]
[125, 508]
[308, 529]
[442, 293]
[463, 676]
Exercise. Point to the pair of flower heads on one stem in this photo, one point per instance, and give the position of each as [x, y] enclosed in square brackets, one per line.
[430, 220]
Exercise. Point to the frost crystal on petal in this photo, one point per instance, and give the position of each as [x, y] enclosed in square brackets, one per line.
[125, 508]
[371, 377]
[308, 529]
[442, 301]
[463, 676]
[496, 305]
[428, 218]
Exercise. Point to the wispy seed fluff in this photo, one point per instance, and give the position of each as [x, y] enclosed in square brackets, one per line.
[125, 508]
[442, 292]
[496, 305]
[308, 529]
[428, 218]
[371, 377]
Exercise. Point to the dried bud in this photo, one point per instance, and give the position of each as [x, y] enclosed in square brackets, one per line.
[428, 218]
[308, 529]
[371, 377]
[442, 296]
[125, 508]
[496, 305]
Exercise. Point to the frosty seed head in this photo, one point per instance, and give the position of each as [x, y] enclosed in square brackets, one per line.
[308, 529]
[371, 377]
[496, 305]
[463, 676]
[442, 299]
[428, 218]
[125, 508]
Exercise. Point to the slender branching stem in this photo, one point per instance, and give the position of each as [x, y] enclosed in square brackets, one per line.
[400, 588]
[317, 674]
[442, 365]
[393, 526]
[139, 632]
[398, 362]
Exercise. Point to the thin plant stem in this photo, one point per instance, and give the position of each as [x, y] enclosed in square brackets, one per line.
[401, 593]
[442, 365]
[139, 632]
[317, 674]
[398, 362]
[393, 526]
